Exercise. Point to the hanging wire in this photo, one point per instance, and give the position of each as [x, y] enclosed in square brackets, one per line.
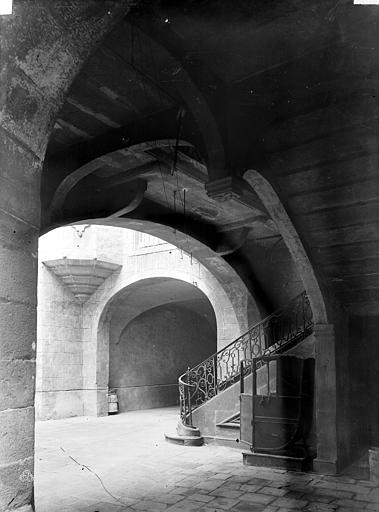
[174, 171]
[155, 72]
[167, 201]
[132, 46]
[163, 183]
[140, 47]
[179, 118]
[147, 99]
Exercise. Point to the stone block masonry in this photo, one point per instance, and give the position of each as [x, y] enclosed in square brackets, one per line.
[40, 55]
[18, 300]
[73, 335]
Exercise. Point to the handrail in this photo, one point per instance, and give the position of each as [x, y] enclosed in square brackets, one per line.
[284, 327]
[257, 325]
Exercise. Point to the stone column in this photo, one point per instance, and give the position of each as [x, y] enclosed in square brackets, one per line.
[95, 340]
[42, 48]
[326, 400]
[19, 226]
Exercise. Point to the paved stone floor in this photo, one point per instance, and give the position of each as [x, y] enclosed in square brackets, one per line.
[144, 473]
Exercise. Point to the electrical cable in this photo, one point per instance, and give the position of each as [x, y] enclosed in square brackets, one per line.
[83, 466]
[104, 389]
[180, 116]
[167, 201]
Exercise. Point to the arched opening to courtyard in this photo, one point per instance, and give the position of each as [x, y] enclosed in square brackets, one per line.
[93, 275]
[158, 328]
[125, 311]
[141, 116]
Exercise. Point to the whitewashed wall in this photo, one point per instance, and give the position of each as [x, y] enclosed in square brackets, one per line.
[73, 338]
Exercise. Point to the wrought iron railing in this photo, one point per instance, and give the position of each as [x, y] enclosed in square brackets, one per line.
[275, 333]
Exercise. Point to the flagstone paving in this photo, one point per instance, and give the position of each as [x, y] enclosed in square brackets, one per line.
[122, 463]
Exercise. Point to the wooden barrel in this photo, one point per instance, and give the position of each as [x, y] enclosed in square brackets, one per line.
[112, 402]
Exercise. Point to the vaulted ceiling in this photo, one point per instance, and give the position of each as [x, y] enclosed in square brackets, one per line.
[288, 88]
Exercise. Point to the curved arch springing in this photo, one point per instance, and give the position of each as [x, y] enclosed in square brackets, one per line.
[277, 212]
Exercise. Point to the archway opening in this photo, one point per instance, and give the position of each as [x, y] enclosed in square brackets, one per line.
[157, 328]
[124, 310]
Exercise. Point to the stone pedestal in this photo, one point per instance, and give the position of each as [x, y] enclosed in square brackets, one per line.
[326, 400]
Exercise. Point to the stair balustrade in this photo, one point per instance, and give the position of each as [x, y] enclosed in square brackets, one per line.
[277, 332]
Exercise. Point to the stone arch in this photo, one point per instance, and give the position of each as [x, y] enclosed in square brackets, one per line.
[228, 326]
[43, 46]
[70, 181]
[206, 271]
[41, 64]
[158, 327]
[328, 452]
[278, 214]
[246, 309]
[97, 312]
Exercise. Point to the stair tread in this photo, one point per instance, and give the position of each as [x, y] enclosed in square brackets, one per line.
[273, 456]
[184, 440]
[177, 436]
[229, 425]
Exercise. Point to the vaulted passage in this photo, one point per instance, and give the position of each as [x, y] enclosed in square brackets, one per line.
[244, 136]
[123, 311]
[150, 345]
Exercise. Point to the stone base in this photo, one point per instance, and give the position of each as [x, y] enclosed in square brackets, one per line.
[223, 441]
[325, 467]
[276, 461]
[184, 440]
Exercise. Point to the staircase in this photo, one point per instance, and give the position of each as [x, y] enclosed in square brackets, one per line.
[210, 392]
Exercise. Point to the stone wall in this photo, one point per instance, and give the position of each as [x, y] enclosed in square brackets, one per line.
[73, 338]
[362, 382]
[40, 55]
[59, 350]
[153, 350]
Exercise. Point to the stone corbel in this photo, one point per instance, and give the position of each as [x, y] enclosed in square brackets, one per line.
[224, 189]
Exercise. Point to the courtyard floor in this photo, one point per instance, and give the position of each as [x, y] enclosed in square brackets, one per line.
[122, 463]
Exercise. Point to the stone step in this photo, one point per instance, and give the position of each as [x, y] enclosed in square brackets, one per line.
[184, 440]
[277, 461]
[229, 442]
[229, 428]
[185, 430]
[229, 424]
[228, 431]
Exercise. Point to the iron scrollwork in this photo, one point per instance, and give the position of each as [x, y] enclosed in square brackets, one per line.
[272, 335]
